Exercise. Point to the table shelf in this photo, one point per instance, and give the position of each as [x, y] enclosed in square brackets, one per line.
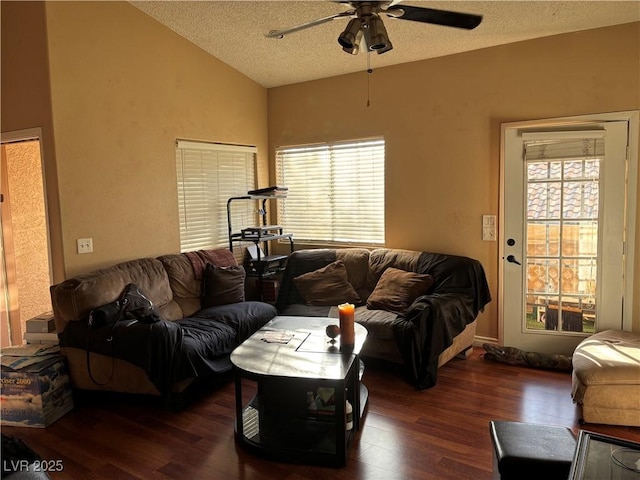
[273, 414]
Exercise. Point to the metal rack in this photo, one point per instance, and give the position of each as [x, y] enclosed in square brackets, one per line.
[263, 266]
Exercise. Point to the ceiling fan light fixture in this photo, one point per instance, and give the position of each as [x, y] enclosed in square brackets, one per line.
[378, 38]
[353, 50]
[351, 35]
[385, 49]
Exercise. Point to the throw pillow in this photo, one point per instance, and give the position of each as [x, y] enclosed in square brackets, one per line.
[327, 286]
[222, 285]
[397, 289]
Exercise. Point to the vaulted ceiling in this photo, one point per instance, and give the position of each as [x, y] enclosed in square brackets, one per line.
[234, 32]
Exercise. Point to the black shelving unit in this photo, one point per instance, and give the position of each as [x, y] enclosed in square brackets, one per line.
[262, 266]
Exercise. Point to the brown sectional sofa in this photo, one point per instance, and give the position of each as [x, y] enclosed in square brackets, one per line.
[162, 358]
[423, 332]
[192, 342]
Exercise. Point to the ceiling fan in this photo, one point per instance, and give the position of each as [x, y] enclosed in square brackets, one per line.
[366, 21]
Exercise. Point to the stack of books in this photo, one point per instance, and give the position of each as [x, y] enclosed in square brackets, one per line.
[41, 329]
[274, 191]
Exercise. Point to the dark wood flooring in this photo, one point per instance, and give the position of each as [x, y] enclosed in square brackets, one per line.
[439, 433]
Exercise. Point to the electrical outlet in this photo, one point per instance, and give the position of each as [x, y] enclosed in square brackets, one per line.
[488, 234]
[85, 245]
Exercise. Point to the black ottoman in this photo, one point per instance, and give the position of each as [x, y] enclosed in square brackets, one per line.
[527, 450]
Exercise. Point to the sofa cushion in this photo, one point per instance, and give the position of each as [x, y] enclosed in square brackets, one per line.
[222, 285]
[356, 260]
[381, 259]
[397, 289]
[74, 298]
[245, 318]
[199, 259]
[379, 323]
[326, 286]
[186, 288]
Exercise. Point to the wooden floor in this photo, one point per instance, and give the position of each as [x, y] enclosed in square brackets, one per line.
[439, 433]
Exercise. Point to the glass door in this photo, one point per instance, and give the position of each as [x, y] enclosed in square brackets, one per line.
[562, 223]
[564, 203]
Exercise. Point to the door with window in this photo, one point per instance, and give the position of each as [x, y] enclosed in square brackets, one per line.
[565, 204]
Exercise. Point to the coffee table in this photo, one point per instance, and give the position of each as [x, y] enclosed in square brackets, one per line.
[292, 385]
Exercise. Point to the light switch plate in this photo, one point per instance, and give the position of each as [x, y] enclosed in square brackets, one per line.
[489, 221]
[489, 228]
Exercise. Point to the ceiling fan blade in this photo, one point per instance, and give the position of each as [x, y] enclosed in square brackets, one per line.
[439, 17]
[313, 23]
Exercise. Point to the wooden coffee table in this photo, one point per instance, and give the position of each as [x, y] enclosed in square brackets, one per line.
[292, 385]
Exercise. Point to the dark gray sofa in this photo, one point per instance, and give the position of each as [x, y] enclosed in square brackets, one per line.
[436, 326]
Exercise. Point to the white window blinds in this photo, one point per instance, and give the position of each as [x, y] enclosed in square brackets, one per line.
[336, 192]
[543, 146]
[208, 174]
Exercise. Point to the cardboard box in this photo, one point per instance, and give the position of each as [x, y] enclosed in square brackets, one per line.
[36, 395]
[43, 323]
[51, 337]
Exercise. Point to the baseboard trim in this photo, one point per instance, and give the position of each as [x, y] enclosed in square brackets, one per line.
[478, 341]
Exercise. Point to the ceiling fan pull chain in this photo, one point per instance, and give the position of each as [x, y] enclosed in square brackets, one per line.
[369, 72]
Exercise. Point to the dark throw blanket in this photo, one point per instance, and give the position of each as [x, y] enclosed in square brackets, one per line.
[170, 352]
[459, 294]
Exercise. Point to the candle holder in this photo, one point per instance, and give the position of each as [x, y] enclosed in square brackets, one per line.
[346, 312]
[332, 332]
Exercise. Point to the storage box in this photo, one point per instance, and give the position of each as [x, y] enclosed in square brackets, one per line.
[36, 395]
[43, 323]
[51, 337]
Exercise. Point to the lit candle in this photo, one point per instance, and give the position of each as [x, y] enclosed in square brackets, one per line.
[347, 312]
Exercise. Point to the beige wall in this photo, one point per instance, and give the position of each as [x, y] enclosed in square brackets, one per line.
[123, 88]
[441, 122]
[26, 102]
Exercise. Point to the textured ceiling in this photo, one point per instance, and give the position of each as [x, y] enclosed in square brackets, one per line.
[233, 31]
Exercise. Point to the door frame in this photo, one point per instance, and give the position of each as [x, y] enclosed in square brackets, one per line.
[633, 118]
[16, 136]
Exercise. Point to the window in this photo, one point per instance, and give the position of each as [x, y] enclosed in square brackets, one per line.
[336, 192]
[562, 220]
[208, 174]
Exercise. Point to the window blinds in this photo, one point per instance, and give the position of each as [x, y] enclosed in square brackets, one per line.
[336, 192]
[208, 174]
[543, 146]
